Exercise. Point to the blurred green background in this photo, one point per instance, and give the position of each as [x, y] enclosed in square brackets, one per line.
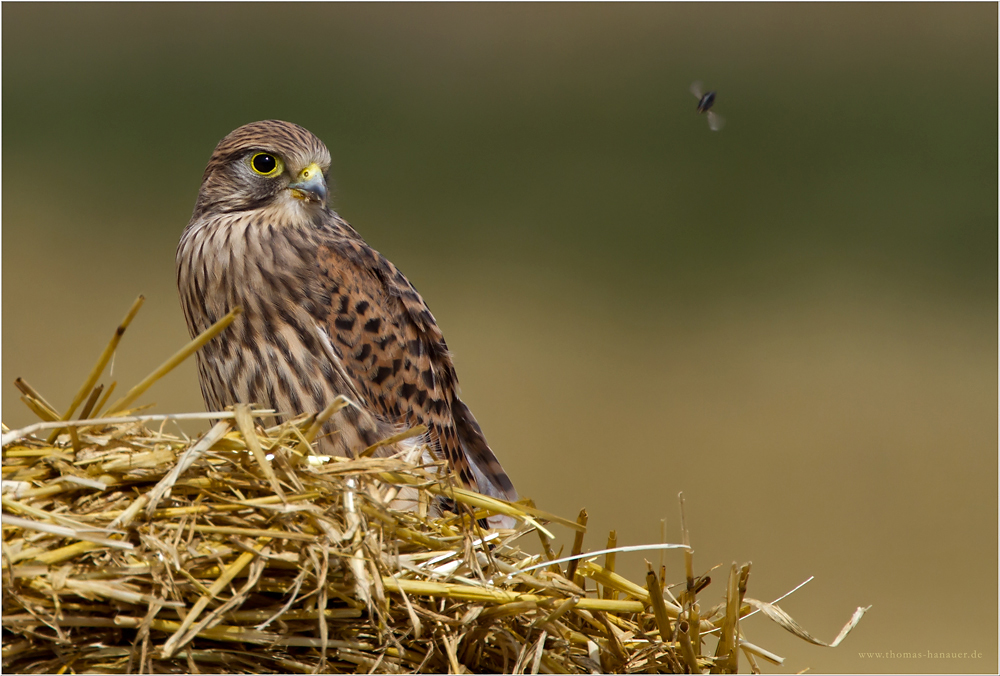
[793, 321]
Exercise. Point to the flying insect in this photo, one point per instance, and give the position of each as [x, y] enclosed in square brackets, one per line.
[705, 102]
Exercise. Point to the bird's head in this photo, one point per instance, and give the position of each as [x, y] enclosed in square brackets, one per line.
[271, 164]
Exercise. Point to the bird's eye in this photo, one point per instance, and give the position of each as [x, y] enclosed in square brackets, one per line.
[265, 164]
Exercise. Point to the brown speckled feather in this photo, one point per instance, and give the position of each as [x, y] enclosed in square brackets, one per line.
[324, 313]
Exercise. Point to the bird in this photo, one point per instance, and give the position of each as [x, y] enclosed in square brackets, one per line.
[324, 314]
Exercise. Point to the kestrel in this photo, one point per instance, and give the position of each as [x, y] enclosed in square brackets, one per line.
[324, 314]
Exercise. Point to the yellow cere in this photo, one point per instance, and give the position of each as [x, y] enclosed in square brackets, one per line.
[310, 172]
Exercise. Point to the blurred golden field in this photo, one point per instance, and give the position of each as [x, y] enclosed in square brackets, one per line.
[809, 295]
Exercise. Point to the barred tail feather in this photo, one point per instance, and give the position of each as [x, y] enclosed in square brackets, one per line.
[489, 473]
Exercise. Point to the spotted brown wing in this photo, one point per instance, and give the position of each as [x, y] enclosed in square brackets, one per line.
[390, 344]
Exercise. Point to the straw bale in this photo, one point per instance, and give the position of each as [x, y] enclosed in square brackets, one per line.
[143, 551]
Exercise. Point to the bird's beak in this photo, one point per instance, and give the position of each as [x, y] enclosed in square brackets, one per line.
[310, 185]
